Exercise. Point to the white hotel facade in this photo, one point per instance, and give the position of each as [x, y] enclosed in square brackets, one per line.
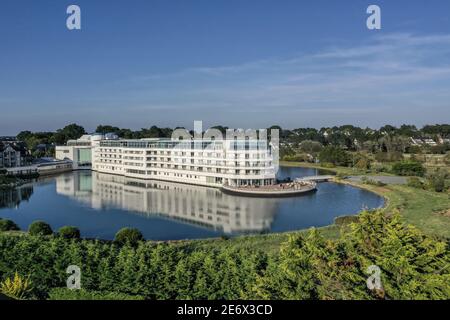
[209, 163]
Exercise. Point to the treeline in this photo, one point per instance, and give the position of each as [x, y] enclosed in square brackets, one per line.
[345, 135]
[412, 266]
[387, 139]
[152, 132]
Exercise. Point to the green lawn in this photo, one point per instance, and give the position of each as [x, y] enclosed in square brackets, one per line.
[347, 171]
[427, 210]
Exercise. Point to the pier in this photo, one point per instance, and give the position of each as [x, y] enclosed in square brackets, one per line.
[323, 178]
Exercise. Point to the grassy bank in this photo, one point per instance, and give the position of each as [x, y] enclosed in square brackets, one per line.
[427, 210]
[345, 171]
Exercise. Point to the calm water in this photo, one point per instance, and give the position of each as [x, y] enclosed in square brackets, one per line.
[101, 204]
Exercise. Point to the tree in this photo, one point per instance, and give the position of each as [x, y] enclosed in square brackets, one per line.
[310, 147]
[40, 228]
[129, 236]
[334, 155]
[69, 132]
[69, 232]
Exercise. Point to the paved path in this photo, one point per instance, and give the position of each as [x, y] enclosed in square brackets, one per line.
[383, 179]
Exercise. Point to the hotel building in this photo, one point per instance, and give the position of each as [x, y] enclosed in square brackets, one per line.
[212, 163]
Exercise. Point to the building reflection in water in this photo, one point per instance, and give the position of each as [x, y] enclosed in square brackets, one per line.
[197, 205]
[12, 197]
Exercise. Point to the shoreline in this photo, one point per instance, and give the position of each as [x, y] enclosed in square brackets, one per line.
[333, 225]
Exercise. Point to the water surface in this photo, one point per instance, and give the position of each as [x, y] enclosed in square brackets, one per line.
[101, 204]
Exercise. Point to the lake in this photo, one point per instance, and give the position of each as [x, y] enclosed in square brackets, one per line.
[101, 204]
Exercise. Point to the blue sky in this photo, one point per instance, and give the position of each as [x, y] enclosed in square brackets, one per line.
[241, 63]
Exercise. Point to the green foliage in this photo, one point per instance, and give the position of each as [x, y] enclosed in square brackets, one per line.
[8, 225]
[327, 165]
[436, 180]
[307, 267]
[335, 155]
[302, 157]
[408, 168]
[415, 182]
[367, 180]
[16, 287]
[345, 220]
[129, 236]
[40, 228]
[388, 156]
[67, 294]
[310, 267]
[447, 158]
[69, 232]
[69, 132]
[311, 147]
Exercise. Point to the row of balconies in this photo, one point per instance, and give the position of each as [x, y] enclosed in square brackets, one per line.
[221, 165]
[184, 153]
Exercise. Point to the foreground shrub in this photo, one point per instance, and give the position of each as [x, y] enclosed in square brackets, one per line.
[16, 287]
[8, 225]
[413, 266]
[345, 220]
[69, 232]
[67, 294]
[40, 228]
[129, 236]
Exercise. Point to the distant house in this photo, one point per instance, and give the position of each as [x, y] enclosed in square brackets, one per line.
[13, 154]
[416, 142]
[430, 142]
[424, 141]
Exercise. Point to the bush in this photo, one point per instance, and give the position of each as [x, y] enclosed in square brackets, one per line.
[436, 180]
[345, 220]
[415, 182]
[8, 225]
[16, 287]
[69, 232]
[40, 228]
[408, 168]
[373, 182]
[129, 236]
[311, 267]
[379, 167]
